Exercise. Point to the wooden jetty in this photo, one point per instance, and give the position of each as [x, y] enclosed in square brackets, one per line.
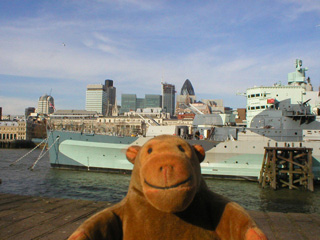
[287, 167]
[27, 217]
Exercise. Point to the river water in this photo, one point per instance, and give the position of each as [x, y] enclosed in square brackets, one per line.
[45, 181]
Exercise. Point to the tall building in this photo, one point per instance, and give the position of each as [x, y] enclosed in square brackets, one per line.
[46, 104]
[128, 102]
[96, 98]
[111, 96]
[101, 98]
[153, 101]
[187, 88]
[168, 98]
[186, 97]
[140, 103]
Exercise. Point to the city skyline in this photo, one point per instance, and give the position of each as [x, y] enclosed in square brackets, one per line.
[223, 47]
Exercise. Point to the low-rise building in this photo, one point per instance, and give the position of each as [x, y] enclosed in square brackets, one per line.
[12, 130]
[73, 114]
[133, 123]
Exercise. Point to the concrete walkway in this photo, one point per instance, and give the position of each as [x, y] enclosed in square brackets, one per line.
[27, 217]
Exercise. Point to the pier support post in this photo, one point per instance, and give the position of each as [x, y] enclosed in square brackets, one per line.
[287, 167]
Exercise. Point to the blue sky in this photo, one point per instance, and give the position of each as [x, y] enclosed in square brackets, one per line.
[221, 46]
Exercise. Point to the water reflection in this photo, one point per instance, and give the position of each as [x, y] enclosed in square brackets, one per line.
[88, 185]
[44, 181]
[285, 200]
[251, 196]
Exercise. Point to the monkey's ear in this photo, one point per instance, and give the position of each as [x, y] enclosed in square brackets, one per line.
[200, 152]
[132, 152]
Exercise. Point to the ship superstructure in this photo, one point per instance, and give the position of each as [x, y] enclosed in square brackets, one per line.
[297, 97]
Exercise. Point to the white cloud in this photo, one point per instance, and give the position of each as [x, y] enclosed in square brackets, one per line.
[294, 9]
[304, 6]
[215, 45]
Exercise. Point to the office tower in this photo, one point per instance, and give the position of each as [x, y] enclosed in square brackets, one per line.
[96, 98]
[128, 102]
[187, 88]
[140, 103]
[168, 98]
[101, 98]
[186, 97]
[46, 104]
[111, 96]
[153, 101]
[187, 94]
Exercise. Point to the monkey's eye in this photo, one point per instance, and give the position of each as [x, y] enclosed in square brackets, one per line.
[181, 148]
[150, 150]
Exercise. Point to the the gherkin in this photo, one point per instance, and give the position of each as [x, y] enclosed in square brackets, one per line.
[187, 88]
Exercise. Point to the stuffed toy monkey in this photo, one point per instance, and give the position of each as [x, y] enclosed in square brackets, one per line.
[168, 199]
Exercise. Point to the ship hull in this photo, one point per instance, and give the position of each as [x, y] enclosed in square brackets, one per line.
[229, 159]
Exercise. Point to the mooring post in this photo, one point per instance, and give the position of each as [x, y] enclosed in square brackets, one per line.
[290, 169]
[310, 173]
[273, 167]
[290, 166]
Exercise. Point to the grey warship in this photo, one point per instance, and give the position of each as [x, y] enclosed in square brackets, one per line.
[278, 115]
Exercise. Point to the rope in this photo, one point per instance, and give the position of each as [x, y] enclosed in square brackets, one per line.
[29, 152]
[41, 156]
[44, 146]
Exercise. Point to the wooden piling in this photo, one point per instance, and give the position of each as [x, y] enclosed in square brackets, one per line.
[287, 167]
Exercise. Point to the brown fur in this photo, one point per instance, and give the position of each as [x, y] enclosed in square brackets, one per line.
[168, 199]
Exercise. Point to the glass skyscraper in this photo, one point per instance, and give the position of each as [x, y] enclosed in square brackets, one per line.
[186, 97]
[111, 96]
[187, 88]
[140, 103]
[128, 102]
[168, 98]
[153, 101]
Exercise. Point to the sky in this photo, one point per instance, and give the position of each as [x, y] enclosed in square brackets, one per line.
[222, 46]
